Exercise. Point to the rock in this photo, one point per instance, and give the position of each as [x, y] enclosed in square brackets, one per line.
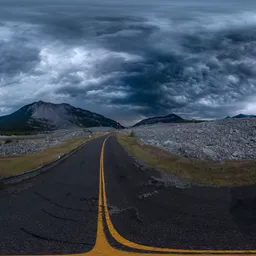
[25, 147]
[217, 140]
[236, 154]
[209, 152]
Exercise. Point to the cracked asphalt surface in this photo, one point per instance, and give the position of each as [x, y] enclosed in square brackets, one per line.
[146, 210]
[56, 212]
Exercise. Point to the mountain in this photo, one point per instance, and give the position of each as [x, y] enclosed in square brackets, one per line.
[172, 118]
[244, 116]
[48, 116]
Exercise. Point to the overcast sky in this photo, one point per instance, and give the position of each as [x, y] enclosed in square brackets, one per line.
[130, 59]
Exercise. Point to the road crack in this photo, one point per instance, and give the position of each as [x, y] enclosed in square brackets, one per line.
[93, 200]
[52, 239]
[57, 217]
[56, 204]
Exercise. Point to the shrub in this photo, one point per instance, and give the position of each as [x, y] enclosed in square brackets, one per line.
[7, 141]
[132, 134]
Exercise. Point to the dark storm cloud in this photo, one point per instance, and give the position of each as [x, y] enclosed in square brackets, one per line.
[191, 57]
[16, 58]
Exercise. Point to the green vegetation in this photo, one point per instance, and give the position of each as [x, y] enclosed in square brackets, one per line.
[8, 141]
[226, 173]
[16, 165]
[190, 121]
[132, 134]
[17, 133]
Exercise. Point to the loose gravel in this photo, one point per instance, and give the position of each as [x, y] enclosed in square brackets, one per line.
[15, 147]
[232, 139]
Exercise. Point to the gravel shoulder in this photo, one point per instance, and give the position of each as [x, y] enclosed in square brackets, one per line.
[25, 145]
[191, 170]
[229, 139]
[21, 155]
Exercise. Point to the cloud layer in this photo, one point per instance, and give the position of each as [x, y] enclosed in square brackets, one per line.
[130, 60]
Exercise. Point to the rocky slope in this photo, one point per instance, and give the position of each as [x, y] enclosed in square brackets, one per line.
[160, 119]
[215, 140]
[48, 116]
[244, 116]
[25, 145]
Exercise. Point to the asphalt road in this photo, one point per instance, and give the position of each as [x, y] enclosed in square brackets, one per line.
[100, 201]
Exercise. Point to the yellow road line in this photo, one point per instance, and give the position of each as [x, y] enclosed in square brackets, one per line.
[133, 245]
[102, 246]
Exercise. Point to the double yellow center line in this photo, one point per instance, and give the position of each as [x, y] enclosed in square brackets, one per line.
[103, 245]
[103, 248]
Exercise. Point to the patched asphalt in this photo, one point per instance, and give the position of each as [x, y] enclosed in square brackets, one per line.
[146, 210]
[56, 212]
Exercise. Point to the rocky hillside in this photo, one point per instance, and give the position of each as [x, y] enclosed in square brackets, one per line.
[48, 116]
[244, 116]
[229, 139]
[160, 119]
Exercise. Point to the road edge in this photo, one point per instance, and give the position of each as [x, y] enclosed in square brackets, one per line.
[41, 169]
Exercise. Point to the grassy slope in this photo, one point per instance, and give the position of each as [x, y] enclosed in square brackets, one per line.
[228, 173]
[15, 165]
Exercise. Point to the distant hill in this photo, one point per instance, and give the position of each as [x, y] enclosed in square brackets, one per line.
[244, 116]
[172, 118]
[48, 116]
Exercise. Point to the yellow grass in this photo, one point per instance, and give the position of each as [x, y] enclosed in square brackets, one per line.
[16, 165]
[227, 173]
